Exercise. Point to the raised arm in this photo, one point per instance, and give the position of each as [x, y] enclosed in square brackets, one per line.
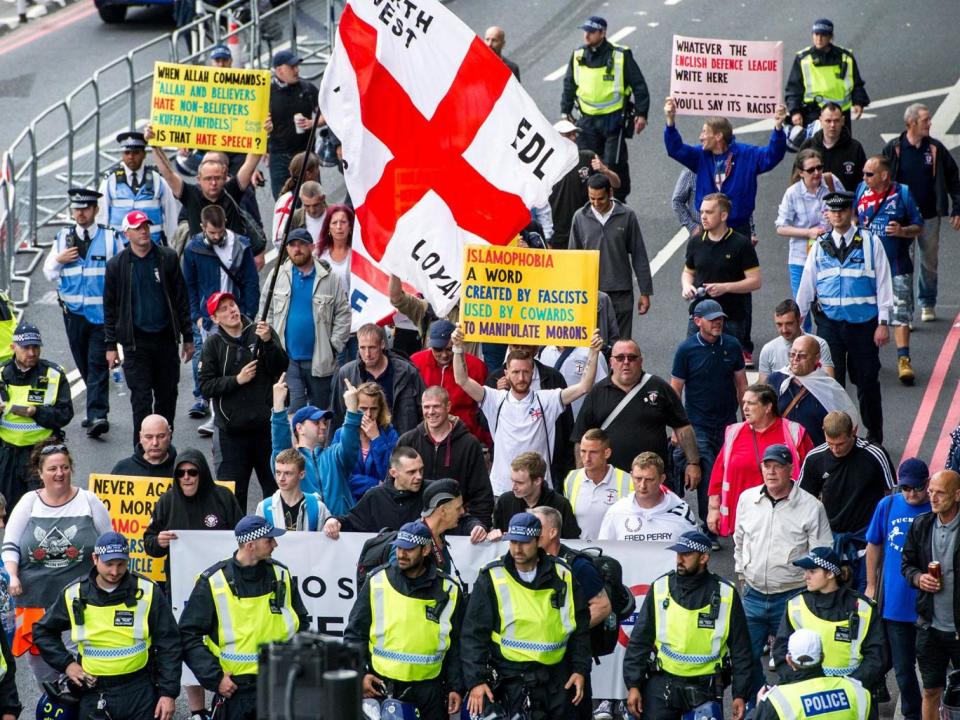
[575, 392]
[163, 165]
[474, 389]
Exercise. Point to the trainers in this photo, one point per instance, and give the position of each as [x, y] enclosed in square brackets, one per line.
[604, 711]
[905, 370]
[206, 430]
[98, 427]
[928, 314]
[199, 409]
[748, 360]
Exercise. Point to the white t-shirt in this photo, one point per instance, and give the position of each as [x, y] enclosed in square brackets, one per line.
[527, 424]
[224, 251]
[593, 502]
[666, 522]
[340, 268]
[573, 367]
[776, 354]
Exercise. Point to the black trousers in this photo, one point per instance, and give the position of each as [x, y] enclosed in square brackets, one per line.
[242, 706]
[623, 308]
[660, 700]
[240, 454]
[854, 352]
[152, 369]
[89, 353]
[548, 698]
[133, 700]
[428, 696]
[15, 474]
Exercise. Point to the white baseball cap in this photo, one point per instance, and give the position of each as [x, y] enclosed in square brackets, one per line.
[805, 648]
[564, 126]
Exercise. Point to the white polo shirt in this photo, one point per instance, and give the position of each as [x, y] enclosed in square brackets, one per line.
[594, 499]
[666, 522]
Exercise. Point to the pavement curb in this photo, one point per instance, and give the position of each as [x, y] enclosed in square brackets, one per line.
[36, 11]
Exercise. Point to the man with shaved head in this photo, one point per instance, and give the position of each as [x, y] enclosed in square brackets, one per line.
[805, 392]
[933, 539]
[496, 38]
[154, 455]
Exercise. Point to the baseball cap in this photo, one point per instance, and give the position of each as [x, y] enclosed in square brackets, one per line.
[286, 57]
[805, 648]
[254, 527]
[440, 332]
[213, 302]
[310, 412]
[838, 200]
[134, 219]
[220, 52]
[300, 235]
[709, 310]
[413, 534]
[820, 557]
[822, 26]
[692, 541]
[778, 453]
[524, 528]
[564, 126]
[594, 23]
[112, 546]
[913, 472]
[26, 335]
[437, 493]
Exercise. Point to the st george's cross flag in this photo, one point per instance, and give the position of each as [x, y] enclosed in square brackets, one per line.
[442, 147]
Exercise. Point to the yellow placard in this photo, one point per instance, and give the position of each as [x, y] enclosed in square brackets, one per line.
[529, 297]
[130, 500]
[209, 108]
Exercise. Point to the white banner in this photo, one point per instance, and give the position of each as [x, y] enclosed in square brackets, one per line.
[325, 572]
[443, 147]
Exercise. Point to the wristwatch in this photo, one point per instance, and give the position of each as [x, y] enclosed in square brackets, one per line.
[884, 323]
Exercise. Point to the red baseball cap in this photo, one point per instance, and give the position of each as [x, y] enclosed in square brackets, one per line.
[213, 302]
[133, 219]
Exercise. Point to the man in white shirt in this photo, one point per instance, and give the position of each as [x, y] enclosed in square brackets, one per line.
[593, 488]
[521, 419]
[777, 523]
[776, 353]
[652, 513]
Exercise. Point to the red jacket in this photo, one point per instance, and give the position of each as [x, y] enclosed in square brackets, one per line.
[461, 404]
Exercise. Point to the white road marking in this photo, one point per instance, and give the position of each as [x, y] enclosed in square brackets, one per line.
[618, 35]
[667, 251]
[672, 2]
[652, 24]
[942, 120]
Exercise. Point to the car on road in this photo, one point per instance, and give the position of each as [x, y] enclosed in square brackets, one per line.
[115, 11]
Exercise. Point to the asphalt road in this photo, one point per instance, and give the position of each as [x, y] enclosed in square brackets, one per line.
[902, 59]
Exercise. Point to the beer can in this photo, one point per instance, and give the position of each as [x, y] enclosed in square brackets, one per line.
[934, 570]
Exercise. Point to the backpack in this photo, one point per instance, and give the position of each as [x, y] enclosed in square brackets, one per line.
[604, 637]
[375, 552]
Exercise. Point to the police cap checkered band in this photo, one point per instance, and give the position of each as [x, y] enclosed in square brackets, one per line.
[531, 532]
[825, 564]
[694, 546]
[27, 334]
[255, 534]
[113, 549]
[414, 538]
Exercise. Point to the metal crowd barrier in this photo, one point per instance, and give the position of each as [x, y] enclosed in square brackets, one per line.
[72, 142]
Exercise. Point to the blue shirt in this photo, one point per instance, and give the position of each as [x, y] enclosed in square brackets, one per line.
[300, 332]
[587, 577]
[707, 371]
[897, 206]
[889, 527]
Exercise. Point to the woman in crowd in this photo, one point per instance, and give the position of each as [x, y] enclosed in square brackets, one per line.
[335, 247]
[285, 205]
[802, 214]
[48, 542]
[377, 439]
[737, 467]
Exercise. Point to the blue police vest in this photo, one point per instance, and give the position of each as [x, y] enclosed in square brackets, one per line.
[147, 199]
[847, 291]
[81, 281]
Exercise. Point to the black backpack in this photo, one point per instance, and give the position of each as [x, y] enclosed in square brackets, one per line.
[374, 553]
[604, 637]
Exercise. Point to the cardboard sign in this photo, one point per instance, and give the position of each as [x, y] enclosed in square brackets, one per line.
[730, 78]
[209, 108]
[532, 297]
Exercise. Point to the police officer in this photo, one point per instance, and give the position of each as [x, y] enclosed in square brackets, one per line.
[35, 403]
[405, 623]
[237, 605]
[822, 73]
[690, 635]
[846, 283]
[847, 622]
[811, 693]
[607, 86]
[76, 262]
[528, 621]
[135, 186]
[128, 648]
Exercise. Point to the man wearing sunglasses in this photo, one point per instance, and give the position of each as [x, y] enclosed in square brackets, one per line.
[885, 584]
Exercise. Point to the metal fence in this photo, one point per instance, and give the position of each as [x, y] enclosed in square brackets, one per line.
[72, 142]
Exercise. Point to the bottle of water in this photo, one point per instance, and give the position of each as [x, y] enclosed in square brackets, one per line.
[118, 380]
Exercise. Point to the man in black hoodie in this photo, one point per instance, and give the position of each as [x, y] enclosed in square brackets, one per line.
[843, 156]
[238, 366]
[154, 455]
[192, 502]
[448, 450]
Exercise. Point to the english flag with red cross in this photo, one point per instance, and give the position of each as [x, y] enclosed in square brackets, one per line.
[442, 147]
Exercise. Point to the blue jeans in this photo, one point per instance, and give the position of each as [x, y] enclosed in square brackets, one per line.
[305, 388]
[764, 614]
[195, 362]
[902, 639]
[709, 442]
[796, 272]
[928, 242]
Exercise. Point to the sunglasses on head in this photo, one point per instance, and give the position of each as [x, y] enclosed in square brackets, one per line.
[187, 472]
[52, 450]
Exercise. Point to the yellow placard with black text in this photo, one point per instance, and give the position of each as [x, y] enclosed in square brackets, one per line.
[130, 501]
[209, 108]
[529, 297]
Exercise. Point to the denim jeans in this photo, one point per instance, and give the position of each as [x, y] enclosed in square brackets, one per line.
[306, 388]
[764, 614]
[796, 273]
[902, 640]
[928, 242]
[709, 442]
